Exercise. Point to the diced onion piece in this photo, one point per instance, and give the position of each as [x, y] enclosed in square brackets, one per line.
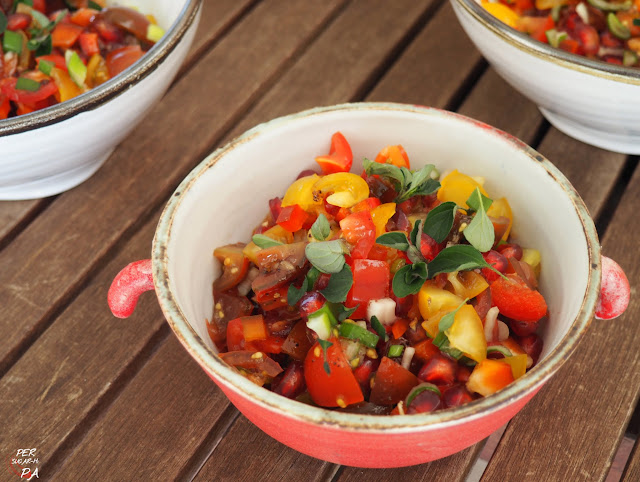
[490, 322]
[583, 12]
[407, 356]
[384, 309]
[503, 331]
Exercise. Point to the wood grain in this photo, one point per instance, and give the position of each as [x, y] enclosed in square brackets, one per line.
[46, 265]
[632, 471]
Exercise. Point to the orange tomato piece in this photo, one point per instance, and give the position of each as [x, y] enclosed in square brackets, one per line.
[489, 376]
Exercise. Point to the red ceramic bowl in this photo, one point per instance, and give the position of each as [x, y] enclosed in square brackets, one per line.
[226, 196]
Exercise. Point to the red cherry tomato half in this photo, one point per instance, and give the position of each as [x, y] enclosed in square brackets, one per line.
[234, 266]
[516, 300]
[8, 88]
[339, 387]
[119, 59]
[359, 230]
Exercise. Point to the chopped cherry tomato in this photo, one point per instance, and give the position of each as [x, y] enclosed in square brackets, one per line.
[367, 205]
[340, 157]
[234, 266]
[56, 59]
[489, 376]
[516, 300]
[5, 106]
[292, 382]
[298, 343]
[292, 218]
[273, 298]
[8, 88]
[359, 230]
[392, 383]
[399, 327]
[370, 282]
[395, 155]
[83, 16]
[438, 370]
[65, 35]
[339, 387]
[89, 43]
[18, 21]
[122, 58]
[250, 360]
[426, 350]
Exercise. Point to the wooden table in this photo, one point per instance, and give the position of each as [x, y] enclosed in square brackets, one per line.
[107, 399]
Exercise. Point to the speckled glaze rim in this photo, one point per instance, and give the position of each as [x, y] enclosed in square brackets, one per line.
[355, 422]
[544, 51]
[113, 87]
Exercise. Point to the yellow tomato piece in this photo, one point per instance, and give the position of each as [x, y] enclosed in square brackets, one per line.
[301, 192]
[549, 4]
[518, 364]
[348, 189]
[467, 284]
[457, 187]
[501, 207]
[532, 258]
[276, 232]
[431, 325]
[467, 334]
[97, 72]
[381, 215]
[432, 299]
[502, 13]
[67, 88]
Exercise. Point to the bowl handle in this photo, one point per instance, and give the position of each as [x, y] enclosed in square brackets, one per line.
[133, 280]
[614, 291]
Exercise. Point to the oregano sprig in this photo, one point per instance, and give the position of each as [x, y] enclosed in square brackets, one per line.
[406, 183]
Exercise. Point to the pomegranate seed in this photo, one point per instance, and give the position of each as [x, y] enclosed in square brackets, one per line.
[310, 303]
[292, 382]
[523, 328]
[364, 372]
[498, 261]
[456, 395]
[438, 370]
[425, 402]
[275, 205]
[510, 250]
[532, 345]
[463, 373]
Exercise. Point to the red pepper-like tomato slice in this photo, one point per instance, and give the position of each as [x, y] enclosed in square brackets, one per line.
[291, 218]
[359, 230]
[119, 59]
[8, 88]
[234, 266]
[516, 300]
[339, 387]
[57, 60]
[370, 282]
[340, 156]
[392, 383]
[65, 35]
[89, 43]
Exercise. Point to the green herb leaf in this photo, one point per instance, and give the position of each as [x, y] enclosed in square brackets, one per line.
[480, 232]
[30, 85]
[385, 170]
[312, 276]
[409, 279]
[395, 239]
[339, 285]
[440, 221]
[341, 311]
[262, 241]
[420, 184]
[94, 5]
[441, 340]
[415, 232]
[327, 256]
[414, 255]
[321, 228]
[295, 294]
[40, 18]
[447, 320]
[3, 22]
[325, 344]
[376, 325]
[456, 258]
[45, 47]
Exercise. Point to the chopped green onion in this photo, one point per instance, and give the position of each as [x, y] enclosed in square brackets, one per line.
[418, 389]
[554, 37]
[95, 5]
[3, 22]
[40, 18]
[503, 350]
[45, 66]
[616, 27]
[77, 70]
[154, 32]
[355, 332]
[629, 58]
[610, 6]
[321, 321]
[395, 351]
[12, 42]
[24, 83]
[376, 325]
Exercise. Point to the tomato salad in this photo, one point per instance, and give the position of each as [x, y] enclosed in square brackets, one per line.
[389, 292]
[598, 29]
[53, 50]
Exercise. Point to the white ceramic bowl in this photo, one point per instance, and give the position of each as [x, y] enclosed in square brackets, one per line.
[593, 101]
[223, 198]
[52, 150]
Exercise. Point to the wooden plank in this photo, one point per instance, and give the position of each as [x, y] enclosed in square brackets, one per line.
[155, 425]
[632, 470]
[247, 453]
[432, 69]
[216, 17]
[48, 262]
[340, 65]
[572, 428]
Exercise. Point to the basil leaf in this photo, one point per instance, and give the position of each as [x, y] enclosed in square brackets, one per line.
[440, 221]
[395, 239]
[263, 241]
[327, 256]
[456, 258]
[339, 285]
[429, 187]
[3, 22]
[480, 232]
[414, 233]
[295, 294]
[409, 279]
[477, 199]
[414, 255]
[321, 228]
[376, 325]
[341, 311]
[447, 320]
[421, 176]
[385, 170]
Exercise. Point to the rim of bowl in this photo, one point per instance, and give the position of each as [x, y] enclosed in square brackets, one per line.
[545, 51]
[372, 423]
[113, 87]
